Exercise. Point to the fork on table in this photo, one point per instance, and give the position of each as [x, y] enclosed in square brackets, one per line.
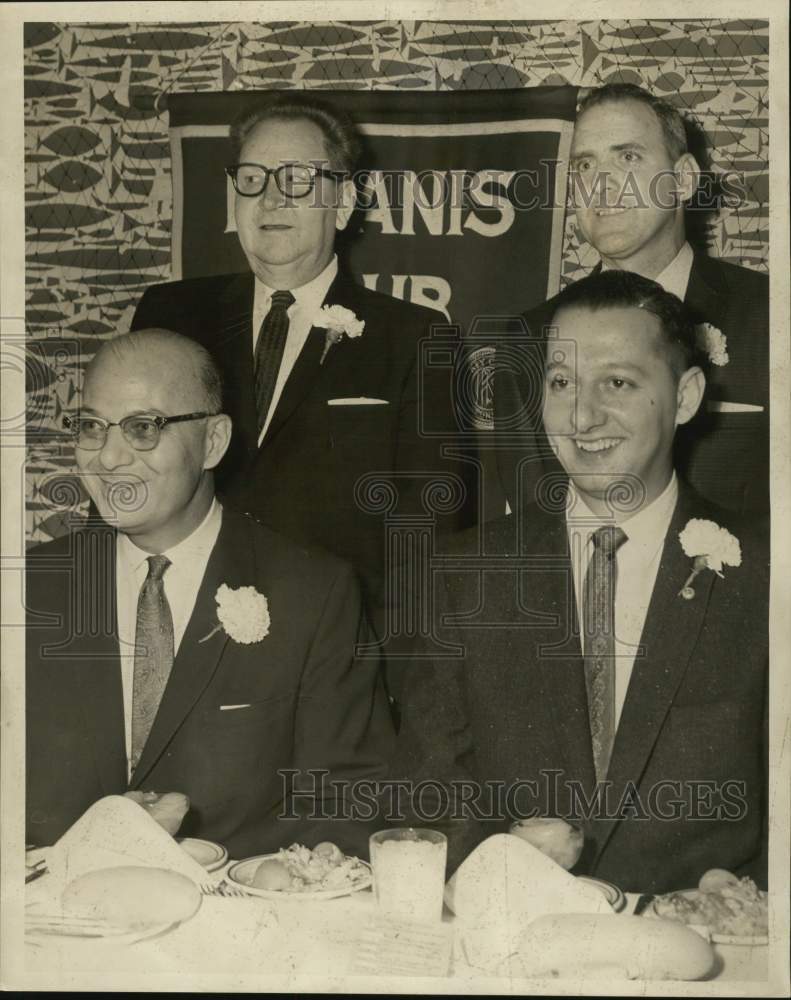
[223, 889]
[38, 922]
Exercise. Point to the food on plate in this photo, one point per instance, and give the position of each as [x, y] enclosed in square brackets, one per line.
[310, 871]
[552, 836]
[731, 907]
[132, 897]
[167, 808]
[329, 851]
[577, 944]
[271, 874]
[715, 878]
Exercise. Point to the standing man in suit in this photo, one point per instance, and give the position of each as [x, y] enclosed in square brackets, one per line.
[174, 644]
[633, 179]
[314, 410]
[598, 678]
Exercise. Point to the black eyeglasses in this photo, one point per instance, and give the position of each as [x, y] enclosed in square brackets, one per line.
[141, 430]
[294, 180]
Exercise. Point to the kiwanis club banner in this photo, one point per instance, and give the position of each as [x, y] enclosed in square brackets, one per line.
[462, 198]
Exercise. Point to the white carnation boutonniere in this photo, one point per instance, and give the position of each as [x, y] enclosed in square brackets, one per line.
[710, 547]
[337, 320]
[713, 342]
[243, 613]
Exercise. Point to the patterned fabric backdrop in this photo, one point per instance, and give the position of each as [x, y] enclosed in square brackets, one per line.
[98, 195]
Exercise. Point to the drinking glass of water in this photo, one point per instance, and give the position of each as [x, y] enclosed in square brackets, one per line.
[409, 873]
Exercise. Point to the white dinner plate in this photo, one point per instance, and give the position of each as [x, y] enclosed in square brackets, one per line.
[751, 942]
[611, 893]
[209, 855]
[241, 874]
[105, 934]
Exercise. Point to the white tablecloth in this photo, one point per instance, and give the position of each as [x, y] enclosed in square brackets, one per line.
[235, 938]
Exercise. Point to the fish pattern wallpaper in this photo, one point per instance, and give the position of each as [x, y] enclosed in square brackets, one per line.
[97, 167]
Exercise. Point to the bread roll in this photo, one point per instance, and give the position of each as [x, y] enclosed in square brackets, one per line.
[589, 944]
[168, 809]
[132, 897]
[552, 836]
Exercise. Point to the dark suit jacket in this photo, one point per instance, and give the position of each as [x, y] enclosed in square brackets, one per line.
[723, 455]
[302, 479]
[512, 706]
[310, 704]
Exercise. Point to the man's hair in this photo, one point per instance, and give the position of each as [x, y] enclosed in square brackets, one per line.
[206, 372]
[670, 119]
[617, 289]
[341, 138]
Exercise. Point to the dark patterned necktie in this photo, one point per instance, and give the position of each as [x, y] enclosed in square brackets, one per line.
[153, 653]
[269, 353]
[598, 613]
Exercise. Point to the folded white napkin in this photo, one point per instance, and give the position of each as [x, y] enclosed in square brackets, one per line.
[113, 832]
[500, 888]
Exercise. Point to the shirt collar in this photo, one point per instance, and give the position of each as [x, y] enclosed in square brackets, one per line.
[645, 530]
[675, 277]
[311, 294]
[195, 545]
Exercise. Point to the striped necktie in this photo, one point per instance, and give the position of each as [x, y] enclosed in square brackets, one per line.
[153, 653]
[269, 353]
[598, 613]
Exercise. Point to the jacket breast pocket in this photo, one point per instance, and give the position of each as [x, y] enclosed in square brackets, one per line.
[362, 440]
[239, 715]
[363, 422]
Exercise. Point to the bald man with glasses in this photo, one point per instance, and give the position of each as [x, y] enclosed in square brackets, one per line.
[176, 646]
[315, 410]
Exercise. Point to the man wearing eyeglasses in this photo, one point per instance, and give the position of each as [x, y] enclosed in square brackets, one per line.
[313, 411]
[173, 645]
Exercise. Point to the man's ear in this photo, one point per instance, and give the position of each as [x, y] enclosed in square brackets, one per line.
[347, 202]
[687, 174]
[689, 394]
[218, 437]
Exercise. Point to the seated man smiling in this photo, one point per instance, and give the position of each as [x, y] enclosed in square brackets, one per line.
[176, 646]
[614, 637]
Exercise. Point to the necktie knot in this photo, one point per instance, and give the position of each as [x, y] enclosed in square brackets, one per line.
[609, 539]
[157, 566]
[282, 300]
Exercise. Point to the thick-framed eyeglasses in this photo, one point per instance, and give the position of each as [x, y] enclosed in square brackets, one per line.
[294, 180]
[141, 430]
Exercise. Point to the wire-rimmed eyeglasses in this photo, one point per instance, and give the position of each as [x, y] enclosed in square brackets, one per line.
[294, 180]
[141, 430]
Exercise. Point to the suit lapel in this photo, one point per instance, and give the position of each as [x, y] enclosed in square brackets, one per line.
[557, 646]
[704, 295]
[95, 654]
[669, 635]
[308, 366]
[234, 347]
[301, 379]
[197, 661]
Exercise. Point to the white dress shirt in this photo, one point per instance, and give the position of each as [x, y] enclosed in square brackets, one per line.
[181, 580]
[675, 277]
[308, 299]
[638, 562]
